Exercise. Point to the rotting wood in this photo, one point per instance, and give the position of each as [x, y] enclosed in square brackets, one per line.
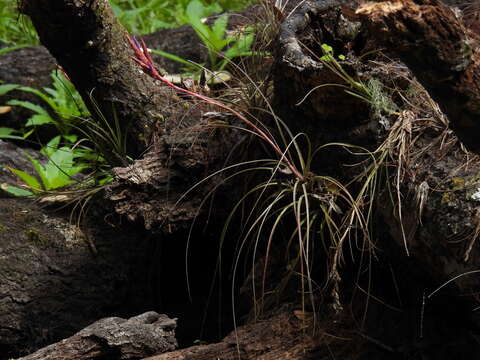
[90, 44]
[115, 338]
[452, 111]
[430, 205]
[280, 337]
[439, 50]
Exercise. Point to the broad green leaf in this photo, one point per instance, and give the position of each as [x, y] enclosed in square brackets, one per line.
[5, 88]
[53, 93]
[15, 190]
[40, 94]
[40, 119]
[62, 157]
[7, 133]
[61, 167]
[28, 179]
[60, 180]
[70, 138]
[67, 101]
[240, 47]
[56, 175]
[195, 12]
[40, 171]
[28, 105]
[4, 131]
[219, 27]
[51, 146]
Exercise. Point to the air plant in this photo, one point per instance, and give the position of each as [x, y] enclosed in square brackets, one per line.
[144, 59]
[316, 203]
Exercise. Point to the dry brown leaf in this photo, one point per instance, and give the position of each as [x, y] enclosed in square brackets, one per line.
[5, 109]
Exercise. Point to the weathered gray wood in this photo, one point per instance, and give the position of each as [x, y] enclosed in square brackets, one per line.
[115, 338]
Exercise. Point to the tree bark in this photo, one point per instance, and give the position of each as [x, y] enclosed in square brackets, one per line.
[57, 277]
[33, 66]
[429, 205]
[89, 43]
[438, 229]
[439, 50]
[444, 56]
[135, 338]
[281, 336]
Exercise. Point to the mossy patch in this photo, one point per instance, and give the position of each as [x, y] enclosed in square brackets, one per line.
[457, 183]
[34, 237]
[469, 185]
[448, 198]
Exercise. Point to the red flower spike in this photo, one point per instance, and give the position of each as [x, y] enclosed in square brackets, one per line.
[144, 59]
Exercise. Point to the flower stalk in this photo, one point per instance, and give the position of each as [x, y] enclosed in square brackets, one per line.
[144, 59]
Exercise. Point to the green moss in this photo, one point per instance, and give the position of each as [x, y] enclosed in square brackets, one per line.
[469, 186]
[457, 183]
[447, 198]
[3, 228]
[35, 238]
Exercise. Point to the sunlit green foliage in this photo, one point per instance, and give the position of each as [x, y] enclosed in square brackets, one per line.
[62, 107]
[138, 16]
[146, 16]
[221, 45]
[68, 153]
[14, 28]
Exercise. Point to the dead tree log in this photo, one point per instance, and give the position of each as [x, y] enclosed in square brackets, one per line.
[57, 275]
[437, 57]
[89, 43]
[282, 336]
[430, 203]
[32, 66]
[444, 56]
[91, 46]
[135, 338]
[439, 50]
[411, 142]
